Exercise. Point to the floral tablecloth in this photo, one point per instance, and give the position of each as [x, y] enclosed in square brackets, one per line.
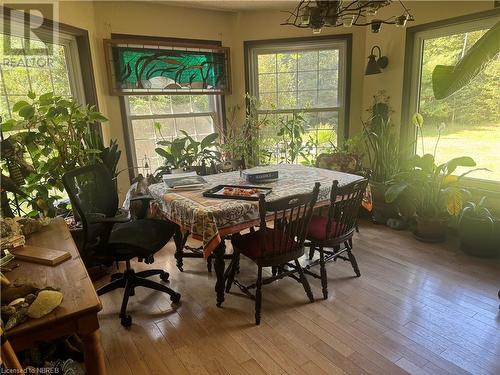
[210, 219]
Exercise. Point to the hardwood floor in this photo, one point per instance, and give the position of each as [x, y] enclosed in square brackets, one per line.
[417, 308]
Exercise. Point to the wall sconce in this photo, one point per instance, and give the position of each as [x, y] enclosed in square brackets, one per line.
[375, 65]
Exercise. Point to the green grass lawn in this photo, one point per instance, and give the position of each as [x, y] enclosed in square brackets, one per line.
[481, 142]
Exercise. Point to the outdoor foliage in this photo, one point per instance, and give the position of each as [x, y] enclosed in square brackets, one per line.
[475, 104]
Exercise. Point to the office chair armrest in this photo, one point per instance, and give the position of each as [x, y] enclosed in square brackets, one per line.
[122, 216]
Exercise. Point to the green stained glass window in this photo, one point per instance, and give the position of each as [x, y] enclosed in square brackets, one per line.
[143, 68]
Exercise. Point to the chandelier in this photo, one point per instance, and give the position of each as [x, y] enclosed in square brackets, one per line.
[318, 14]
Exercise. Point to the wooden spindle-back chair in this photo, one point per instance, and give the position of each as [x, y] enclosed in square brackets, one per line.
[278, 246]
[336, 229]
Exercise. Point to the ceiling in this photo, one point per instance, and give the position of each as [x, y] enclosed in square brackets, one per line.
[234, 5]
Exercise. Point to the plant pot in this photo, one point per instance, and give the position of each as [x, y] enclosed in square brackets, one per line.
[478, 238]
[382, 211]
[431, 229]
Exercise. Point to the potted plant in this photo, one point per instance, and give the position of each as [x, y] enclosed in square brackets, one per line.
[186, 153]
[479, 230]
[55, 135]
[242, 144]
[428, 191]
[382, 149]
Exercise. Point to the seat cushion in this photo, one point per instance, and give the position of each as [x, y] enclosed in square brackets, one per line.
[141, 237]
[249, 243]
[317, 228]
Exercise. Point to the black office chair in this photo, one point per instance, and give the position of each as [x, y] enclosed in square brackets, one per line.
[110, 232]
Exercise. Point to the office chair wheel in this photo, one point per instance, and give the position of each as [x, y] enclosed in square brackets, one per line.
[175, 298]
[164, 276]
[126, 321]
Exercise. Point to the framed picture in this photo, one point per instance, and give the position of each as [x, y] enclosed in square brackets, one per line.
[146, 67]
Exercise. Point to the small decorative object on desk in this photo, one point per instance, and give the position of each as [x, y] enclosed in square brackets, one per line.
[260, 174]
[186, 182]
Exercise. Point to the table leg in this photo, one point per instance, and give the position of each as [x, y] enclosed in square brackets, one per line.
[94, 355]
[219, 271]
[180, 240]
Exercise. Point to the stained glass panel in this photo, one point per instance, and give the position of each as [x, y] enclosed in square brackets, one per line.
[136, 68]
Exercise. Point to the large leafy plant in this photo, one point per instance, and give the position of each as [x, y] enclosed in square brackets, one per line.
[186, 151]
[382, 149]
[479, 211]
[427, 189]
[56, 134]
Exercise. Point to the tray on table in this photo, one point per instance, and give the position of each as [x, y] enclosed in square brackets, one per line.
[218, 192]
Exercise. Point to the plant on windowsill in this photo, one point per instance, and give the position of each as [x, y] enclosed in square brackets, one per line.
[479, 230]
[185, 153]
[241, 142]
[54, 137]
[429, 192]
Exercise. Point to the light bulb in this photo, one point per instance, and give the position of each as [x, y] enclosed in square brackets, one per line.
[316, 31]
[348, 21]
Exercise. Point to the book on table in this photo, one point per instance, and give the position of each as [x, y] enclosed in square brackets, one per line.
[184, 182]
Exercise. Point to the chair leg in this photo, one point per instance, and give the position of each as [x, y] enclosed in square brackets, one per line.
[311, 251]
[258, 296]
[209, 263]
[324, 279]
[148, 273]
[174, 296]
[304, 282]
[354, 263]
[233, 267]
[126, 320]
[115, 284]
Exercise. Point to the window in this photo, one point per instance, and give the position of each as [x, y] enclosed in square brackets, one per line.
[305, 78]
[57, 71]
[470, 118]
[197, 115]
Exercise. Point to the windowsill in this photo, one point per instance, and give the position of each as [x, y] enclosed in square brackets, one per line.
[483, 187]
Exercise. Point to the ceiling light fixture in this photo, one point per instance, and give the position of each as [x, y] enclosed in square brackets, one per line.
[315, 14]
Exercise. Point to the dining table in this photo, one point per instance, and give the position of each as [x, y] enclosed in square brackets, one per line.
[212, 220]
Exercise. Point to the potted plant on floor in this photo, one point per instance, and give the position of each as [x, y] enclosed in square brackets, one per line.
[429, 192]
[479, 230]
[383, 156]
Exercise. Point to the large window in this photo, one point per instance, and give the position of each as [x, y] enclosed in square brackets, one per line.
[467, 122]
[57, 71]
[197, 115]
[305, 78]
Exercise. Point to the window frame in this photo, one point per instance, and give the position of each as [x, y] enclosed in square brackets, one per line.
[78, 42]
[128, 134]
[343, 41]
[415, 37]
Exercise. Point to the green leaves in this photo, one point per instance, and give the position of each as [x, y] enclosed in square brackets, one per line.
[18, 105]
[27, 112]
[395, 191]
[54, 138]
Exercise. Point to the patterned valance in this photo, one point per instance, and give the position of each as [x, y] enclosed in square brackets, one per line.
[145, 67]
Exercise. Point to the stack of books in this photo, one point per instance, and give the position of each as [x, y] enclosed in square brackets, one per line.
[184, 181]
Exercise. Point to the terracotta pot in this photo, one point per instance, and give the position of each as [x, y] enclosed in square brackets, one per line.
[431, 229]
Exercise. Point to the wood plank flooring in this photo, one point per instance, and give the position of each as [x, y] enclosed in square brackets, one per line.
[417, 308]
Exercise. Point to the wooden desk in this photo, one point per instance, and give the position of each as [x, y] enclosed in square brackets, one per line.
[78, 310]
